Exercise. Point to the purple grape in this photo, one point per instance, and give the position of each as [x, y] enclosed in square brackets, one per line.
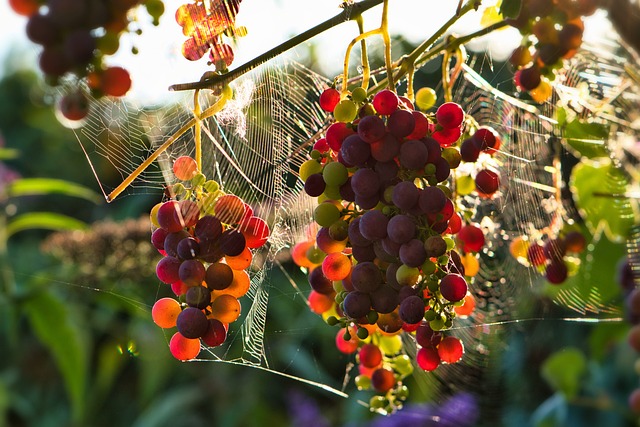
[387, 171]
[366, 277]
[192, 272]
[435, 246]
[401, 229]
[453, 287]
[365, 183]
[434, 149]
[385, 149]
[188, 248]
[391, 247]
[315, 185]
[363, 253]
[401, 123]
[218, 276]
[371, 129]
[432, 200]
[172, 240]
[192, 323]
[412, 309]
[355, 151]
[356, 304]
[367, 202]
[232, 242]
[346, 191]
[210, 251]
[208, 228]
[355, 237]
[381, 252]
[373, 225]
[167, 269]
[384, 299]
[391, 276]
[198, 297]
[469, 150]
[412, 253]
[413, 155]
[157, 238]
[442, 170]
[556, 272]
[319, 282]
[405, 195]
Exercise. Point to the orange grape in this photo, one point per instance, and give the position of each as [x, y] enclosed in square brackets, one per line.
[238, 288]
[24, 7]
[336, 266]
[299, 254]
[467, 307]
[225, 308]
[319, 303]
[241, 261]
[229, 209]
[184, 348]
[184, 168]
[165, 312]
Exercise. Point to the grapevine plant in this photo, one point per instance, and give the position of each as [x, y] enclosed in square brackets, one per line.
[393, 249]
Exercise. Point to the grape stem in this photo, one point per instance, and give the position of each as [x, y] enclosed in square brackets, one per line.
[364, 57]
[349, 13]
[197, 110]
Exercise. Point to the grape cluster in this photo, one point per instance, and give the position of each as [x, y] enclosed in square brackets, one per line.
[552, 31]
[482, 144]
[383, 260]
[205, 25]
[555, 257]
[205, 238]
[75, 37]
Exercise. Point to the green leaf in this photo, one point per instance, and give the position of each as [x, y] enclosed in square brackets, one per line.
[564, 370]
[588, 139]
[552, 412]
[43, 220]
[561, 116]
[8, 153]
[510, 8]
[45, 186]
[51, 324]
[598, 189]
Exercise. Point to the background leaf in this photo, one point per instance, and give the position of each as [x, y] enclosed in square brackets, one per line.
[45, 186]
[43, 220]
[563, 371]
[588, 139]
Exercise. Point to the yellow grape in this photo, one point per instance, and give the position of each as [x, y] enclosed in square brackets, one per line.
[153, 215]
[309, 168]
[425, 98]
[471, 264]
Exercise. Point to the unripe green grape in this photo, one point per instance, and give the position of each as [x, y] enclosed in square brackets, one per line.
[428, 267]
[326, 214]
[315, 255]
[430, 169]
[362, 333]
[335, 174]
[315, 154]
[308, 168]
[452, 156]
[443, 260]
[198, 179]
[426, 98]
[363, 382]
[178, 189]
[403, 365]
[332, 320]
[403, 392]
[332, 192]
[372, 317]
[390, 345]
[437, 324]
[450, 242]
[358, 95]
[573, 265]
[211, 186]
[448, 323]
[406, 275]
[377, 402]
[345, 111]
[430, 315]
[388, 194]
[465, 185]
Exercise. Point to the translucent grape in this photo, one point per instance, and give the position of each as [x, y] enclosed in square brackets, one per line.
[467, 308]
[450, 115]
[450, 350]
[345, 111]
[329, 98]
[385, 102]
[319, 303]
[383, 380]
[336, 266]
[184, 168]
[347, 346]
[218, 276]
[327, 244]
[326, 214]
[239, 286]
[157, 238]
[165, 312]
[216, 334]
[229, 209]
[255, 230]
[225, 308]
[471, 238]
[425, 98]
[407, 276]
[421, 126]
[169, 216]
[485, 138]
[465, 184]
[535, 254]
[447, 137]
[370, 356]
[309, 168]
[240, 262]
[336, 133]
[453, 287]
[183, 348]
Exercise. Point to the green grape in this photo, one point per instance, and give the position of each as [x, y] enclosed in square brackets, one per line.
[443, 260]
[358, 95]
[211, 186]
[465, 185]
[403, 392]
[450, 242]
[452, 156]
[326, 214]
[345, 111]
[178, 189]
[335, 174]
[332, 320]
[430, 169]
[430, 315]
[406, 275]
[426, 98]
[315, 255]
[446, 190]
[363, 382]
[428, 267]
[390, 345]
[372, 317]
[377, 402]
[332, 192]
[198, 179]
[308, 168]
[315, 154]
[403, 365]
[109, 43]
[362, 333]
[437, 324]
[338, 286]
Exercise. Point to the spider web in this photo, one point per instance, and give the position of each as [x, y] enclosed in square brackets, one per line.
[255, 146]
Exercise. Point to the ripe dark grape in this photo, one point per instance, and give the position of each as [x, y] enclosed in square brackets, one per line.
[556, 272]
[382, 380]
[74, 106]
[427, 337]
[434, 149]
[432, 200]
[157, 238]
[41, 29]
[421, 126]
[385, 102]
[401, 228]
[385, 149]
[190, 212]
[384, 299]
[355, 151]
[198, 297]
[443, 170]
[172, 241]
[53, 62]
[412, 253]
[373, 225]
[363, 253]
[535, 254]
[453, 287]
[412, 309]
[575, 242]
[346, 191]
[401, 123]
[314, 185]
[79, 46]
[355, 237]
[356, 304]
[366, 277]
[210, 251]
[192, 323]
[218, 276]
[450, 115]
[391, 247]
[365, 183]
[487, 181]
[232, 242]
[405, 195]
[413, 155]
[188, 248]
[167, 270]
[216, 334]
[485, 138]
[370, 356]
[529, 78]
[169, 216]
[382, 254]
[435, 246]
[371, 129]
[554, 249]
[319, 282]
[387, 171]
[192, 272]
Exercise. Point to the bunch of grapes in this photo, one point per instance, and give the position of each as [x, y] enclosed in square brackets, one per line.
[556, 258]
[384, 258]
[205, 25]
[552, 31]
[75, 37]
[205, 237]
